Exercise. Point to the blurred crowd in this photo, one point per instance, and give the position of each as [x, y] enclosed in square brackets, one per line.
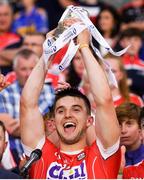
[23, 27]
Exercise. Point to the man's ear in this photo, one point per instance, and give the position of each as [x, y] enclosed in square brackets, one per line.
[53, 124]
[90, 121]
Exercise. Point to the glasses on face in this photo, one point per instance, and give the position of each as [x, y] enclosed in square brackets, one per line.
[32, 44]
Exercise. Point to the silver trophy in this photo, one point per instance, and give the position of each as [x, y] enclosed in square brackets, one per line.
[59, 30]
[61, 27]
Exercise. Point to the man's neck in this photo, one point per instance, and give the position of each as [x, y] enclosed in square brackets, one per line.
[73, 147]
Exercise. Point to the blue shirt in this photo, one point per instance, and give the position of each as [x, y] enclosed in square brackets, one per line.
[36, 21]
[134, 157]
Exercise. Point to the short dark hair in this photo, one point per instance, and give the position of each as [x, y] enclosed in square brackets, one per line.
[2, 125]
[25, 53]
[128, 110]
[131, 32]
[73, 92]
[48, 115]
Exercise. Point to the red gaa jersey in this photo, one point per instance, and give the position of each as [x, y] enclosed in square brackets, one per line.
[133, 98]
[134, 171]
[86, 164]
[8, 39]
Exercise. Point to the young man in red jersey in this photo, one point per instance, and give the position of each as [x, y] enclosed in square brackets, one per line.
[72, 115]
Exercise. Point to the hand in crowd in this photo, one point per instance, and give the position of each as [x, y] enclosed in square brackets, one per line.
[3, 83]
[62, 85]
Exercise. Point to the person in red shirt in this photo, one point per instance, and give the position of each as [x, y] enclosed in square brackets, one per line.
[72, 115]
[136, 171]
[133, 65]
[8, 40]
[122, 93]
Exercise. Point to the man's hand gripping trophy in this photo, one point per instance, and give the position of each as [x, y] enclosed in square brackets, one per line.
[73, 21]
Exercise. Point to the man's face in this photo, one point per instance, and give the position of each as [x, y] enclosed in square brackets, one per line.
[71, 119]
[5, 18]
[2, 142]
[106, 21]
[34, 43]
[130, 133]
[134, 42]
[115, 67]
[24, 68]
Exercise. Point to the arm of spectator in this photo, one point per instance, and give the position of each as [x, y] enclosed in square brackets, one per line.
[31, 120]
[107, 127]
[3, 83]
[12, 125]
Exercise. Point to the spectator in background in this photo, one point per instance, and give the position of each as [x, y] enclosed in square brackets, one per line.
[24, 62]
[34, 42]
[133, 64]
[133, 15]
[49, 123]
[136, 171]
[122, 93]
[30, 19]
[128, 117]
[75, 71]
[7, 160]
[8, 40]
[50, 128]
[31, 41]
[108, 23]
[4, 174]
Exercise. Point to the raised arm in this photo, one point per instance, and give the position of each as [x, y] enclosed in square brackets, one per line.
[31, 121]
[107, 127]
